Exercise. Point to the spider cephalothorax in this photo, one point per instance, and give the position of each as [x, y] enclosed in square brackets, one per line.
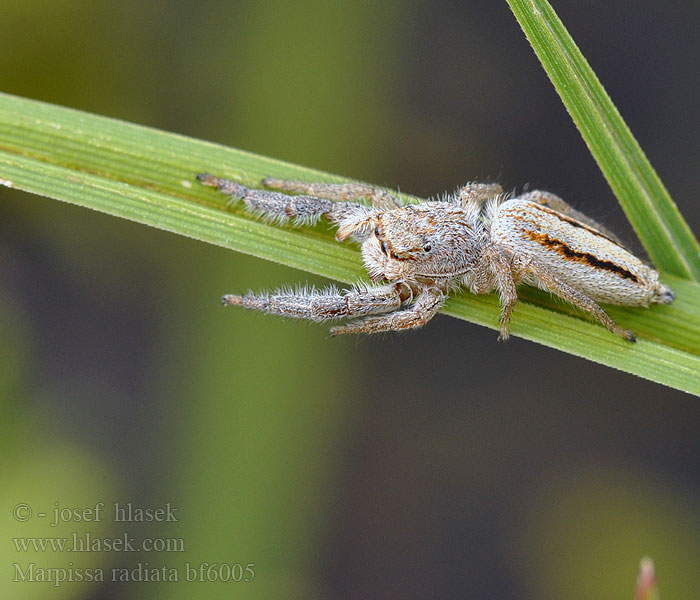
[432, 241]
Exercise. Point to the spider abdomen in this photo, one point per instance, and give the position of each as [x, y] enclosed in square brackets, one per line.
[576, 253]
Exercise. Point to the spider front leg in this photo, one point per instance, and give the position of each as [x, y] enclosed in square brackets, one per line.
[321, 305]
[425, 307]
[273, 206]
[304, 210]
[352, 192]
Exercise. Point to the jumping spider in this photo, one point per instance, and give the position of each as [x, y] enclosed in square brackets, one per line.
[476, 238]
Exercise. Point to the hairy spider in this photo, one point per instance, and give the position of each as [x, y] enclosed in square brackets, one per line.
[476, 238]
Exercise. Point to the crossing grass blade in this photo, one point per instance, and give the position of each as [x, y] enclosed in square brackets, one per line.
[661, 228]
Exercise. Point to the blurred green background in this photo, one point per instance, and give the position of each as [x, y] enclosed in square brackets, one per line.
[434, 464]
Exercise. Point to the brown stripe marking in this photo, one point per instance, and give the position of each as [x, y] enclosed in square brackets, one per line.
[584, 257]
[573, 222]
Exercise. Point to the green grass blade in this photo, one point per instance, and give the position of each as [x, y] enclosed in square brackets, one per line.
[148, 176]
[648, 205]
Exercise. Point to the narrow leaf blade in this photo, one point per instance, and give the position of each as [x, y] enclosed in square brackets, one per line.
[149, 176]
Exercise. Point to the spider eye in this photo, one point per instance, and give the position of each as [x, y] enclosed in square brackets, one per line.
[385, 248]
[428, 247]
[377, 232]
